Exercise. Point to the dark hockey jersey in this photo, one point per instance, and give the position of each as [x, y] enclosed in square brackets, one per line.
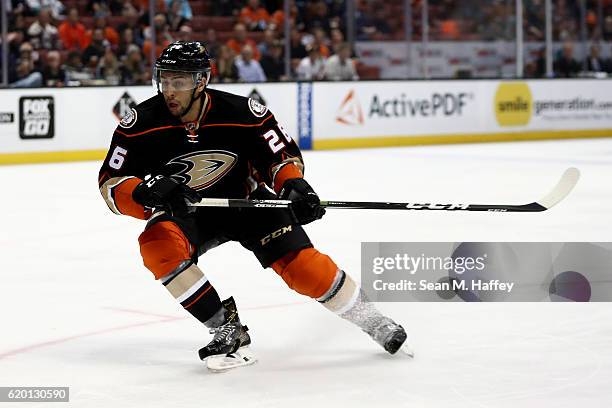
[238, 145]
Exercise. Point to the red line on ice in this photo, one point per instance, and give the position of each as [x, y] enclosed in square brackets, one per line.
[164, 319]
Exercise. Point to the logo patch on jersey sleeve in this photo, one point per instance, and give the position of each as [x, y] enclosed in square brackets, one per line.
[257, 108]
[129, 119]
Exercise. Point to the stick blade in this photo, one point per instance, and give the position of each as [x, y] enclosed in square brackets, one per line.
[567, 183]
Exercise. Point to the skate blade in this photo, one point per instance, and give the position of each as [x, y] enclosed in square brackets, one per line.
[407, 349]
[221, 362]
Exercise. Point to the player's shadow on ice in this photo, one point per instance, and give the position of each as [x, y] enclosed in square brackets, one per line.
[273, 361]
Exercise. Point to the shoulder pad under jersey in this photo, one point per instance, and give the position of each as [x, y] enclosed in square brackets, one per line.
[144, 116]
[228, 107]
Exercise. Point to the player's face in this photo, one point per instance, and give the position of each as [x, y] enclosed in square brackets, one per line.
[177, 89]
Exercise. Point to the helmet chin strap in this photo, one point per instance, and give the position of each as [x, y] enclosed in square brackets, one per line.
[193, 99]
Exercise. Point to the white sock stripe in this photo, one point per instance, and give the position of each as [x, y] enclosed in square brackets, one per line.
[192, 289]
[345, 296]
[350, 303]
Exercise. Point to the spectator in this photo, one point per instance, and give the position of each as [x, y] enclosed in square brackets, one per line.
[56, 7]
[108, 68]
[371, 22]
[317, 16]
[265, 45]
[161, 26]
[320, 41]
[75, 74]
[110, 34]
[240, 39]
[131, 22]
[27, 52]
[449, 30]
[95, 50]
[380, 22]
[226, 70]
[27, 77]
[126, 39]
[99, 8]
[212, 44]
[72, 32]
[24, 52]
[17, 35]
[607, 30]
[179, 13]
[53, 73]
[185, 33]
[74, 62]
[277, 20]
[273, 63]
[19, 8]
[143, 10]
[18, 28]
[249, 69]
[341, 67]
[254, 17]
[298, 50]
[534, 18]
[566, 66]
[595, 63]
[336, 40]
[42, 33]
[312, 67]
[126, 8]
[132, 69]
[162, 40]
[15, 40]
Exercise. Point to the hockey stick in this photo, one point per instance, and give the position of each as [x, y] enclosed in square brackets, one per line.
[562, 189]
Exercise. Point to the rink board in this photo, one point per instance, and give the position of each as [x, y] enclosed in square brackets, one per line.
[46, 125]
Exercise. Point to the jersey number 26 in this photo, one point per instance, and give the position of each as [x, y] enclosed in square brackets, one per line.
[274, 141]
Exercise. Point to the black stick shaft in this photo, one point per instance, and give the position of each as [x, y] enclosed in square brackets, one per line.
[373, 205]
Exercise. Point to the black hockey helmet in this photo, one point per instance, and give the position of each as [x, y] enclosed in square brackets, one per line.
[183, 57]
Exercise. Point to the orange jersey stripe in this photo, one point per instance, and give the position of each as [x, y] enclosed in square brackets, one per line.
[122, 195]
[288, 171]
[148, 131]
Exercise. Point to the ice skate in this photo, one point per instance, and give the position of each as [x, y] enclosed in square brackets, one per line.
[350, 302]
[229, 347]
[391, 336]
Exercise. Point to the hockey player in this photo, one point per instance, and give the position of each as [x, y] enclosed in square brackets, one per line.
[189, 142]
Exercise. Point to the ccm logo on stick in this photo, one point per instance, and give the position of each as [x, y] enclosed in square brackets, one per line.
[428, 206]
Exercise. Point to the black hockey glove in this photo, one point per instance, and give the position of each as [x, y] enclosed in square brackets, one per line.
[165, 193]
[306, 206]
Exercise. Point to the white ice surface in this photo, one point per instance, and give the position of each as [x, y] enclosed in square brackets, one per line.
[79, 309]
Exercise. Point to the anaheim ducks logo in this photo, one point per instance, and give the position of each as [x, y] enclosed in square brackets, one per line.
[200, 170]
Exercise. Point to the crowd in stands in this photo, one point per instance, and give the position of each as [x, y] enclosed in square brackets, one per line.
[109, 42]
[90, 42]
